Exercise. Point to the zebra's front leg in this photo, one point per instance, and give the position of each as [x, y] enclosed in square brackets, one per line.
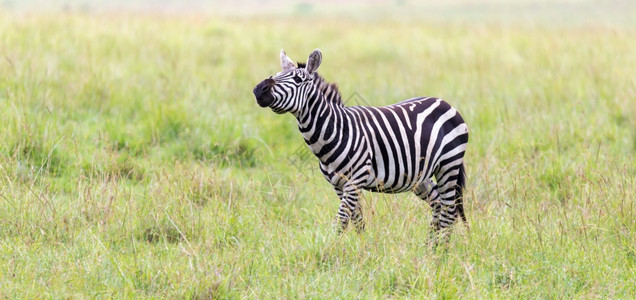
[350, 209]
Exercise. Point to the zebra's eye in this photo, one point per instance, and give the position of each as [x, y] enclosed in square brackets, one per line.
[297, 79]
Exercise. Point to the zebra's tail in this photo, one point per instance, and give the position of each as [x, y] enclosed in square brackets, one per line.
[461, 183]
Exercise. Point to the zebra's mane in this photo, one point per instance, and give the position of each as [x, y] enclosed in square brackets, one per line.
[328, 89]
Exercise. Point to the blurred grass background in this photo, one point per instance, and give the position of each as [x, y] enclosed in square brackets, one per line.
[135, 162]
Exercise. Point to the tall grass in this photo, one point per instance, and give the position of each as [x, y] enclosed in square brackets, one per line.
[135, 162]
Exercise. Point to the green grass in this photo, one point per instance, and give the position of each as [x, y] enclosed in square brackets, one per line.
[134, 160]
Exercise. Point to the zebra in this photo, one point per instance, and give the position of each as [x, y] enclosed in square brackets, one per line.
[391, 149]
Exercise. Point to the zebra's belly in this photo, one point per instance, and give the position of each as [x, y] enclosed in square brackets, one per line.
[382, 187]
[367, 178]
[368, 174]
[393, 176]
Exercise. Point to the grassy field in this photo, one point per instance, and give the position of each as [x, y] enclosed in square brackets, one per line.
[134, 160]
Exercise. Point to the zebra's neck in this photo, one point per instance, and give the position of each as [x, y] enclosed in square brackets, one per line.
[323, 123]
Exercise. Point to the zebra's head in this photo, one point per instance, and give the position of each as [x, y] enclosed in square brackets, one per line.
[287, 91]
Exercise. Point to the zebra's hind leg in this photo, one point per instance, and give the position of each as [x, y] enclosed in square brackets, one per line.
[440, 230]
[358, 220]
[350, 209]
[450, 183]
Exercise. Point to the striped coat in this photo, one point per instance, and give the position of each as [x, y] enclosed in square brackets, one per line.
[416, 145]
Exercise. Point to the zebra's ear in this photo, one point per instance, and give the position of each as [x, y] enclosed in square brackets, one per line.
[285, 62]
[314, 60]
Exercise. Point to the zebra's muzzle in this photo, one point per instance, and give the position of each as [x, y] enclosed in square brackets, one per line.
[263, 92]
